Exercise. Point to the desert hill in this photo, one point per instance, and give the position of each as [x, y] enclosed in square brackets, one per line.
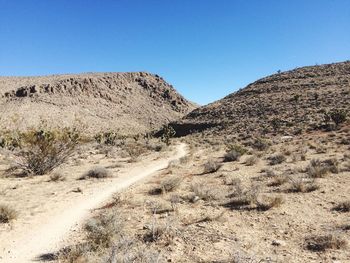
[130, 102]
[289, 103]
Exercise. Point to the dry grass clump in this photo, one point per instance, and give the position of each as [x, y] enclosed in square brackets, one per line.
[56, 177]
[318, 169]
[242, 199]
[302, 185]
[268, 172]
[276, 159]
[7, 214]
[157, 231]
[211, 166]
[269, 202]
[161, 207]
[167, 185]
[96, 172]
[251, 160]
[79, 253]
[207, 192]
[343, 207]
[324, 242]
[206, 217]
[278, 180]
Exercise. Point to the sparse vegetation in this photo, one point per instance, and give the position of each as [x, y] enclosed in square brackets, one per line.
[7, 214]
[232, 156]
[276, 159]
[324, 242]
[41, 151]
[302, 185]
[168, 133]
[96, 172]
[167, 185]
[251, 160]
[207, 192]
[56, 176]
[211, 166]
[343, 207]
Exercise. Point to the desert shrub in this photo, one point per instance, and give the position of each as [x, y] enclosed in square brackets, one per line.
[268, 172]
[171, 183]
[242, 198]
[260, 144]
[318, 169]
[76, 253]
[207, 192]
[231, 156]
[338, 116]
[7, 214]
[157, 231]
[278, 180]
[343, 207]
[300, 185]
[44, 150]
[168, 132]
[276, 159]
[268, 203]
[251, 160]
[211, 166]
[332, 165]
[107, 138]
[102, 231]
[96, 172]
[324, 242]
[237, 148]
[56, 176]
[10, 139]
[167, 185]
[134, 150]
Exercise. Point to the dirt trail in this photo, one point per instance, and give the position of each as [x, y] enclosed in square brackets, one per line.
[46, 236]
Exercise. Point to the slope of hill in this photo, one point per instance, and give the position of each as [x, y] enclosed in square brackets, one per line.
[288, 103]
[131, 102]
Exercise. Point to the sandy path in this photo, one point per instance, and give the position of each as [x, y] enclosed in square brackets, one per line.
[47, 235]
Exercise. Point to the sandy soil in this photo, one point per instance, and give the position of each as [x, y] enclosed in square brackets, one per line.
[51, 210]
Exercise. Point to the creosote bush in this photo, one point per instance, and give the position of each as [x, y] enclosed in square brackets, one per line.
[7, 214]
[41, 151]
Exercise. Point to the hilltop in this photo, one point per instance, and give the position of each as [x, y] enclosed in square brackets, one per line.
[129, 102]
[285, 103]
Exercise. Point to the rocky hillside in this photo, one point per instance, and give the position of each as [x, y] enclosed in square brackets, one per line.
[131, 102]
[285, 103]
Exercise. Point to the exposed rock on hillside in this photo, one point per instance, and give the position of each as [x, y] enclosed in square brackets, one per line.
[131, 102]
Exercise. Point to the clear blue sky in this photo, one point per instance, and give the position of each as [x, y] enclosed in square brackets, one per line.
[205, 48]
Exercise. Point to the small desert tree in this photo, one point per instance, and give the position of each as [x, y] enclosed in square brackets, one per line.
[168, 133]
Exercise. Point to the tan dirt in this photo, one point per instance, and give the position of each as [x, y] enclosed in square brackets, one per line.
[45, 231]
